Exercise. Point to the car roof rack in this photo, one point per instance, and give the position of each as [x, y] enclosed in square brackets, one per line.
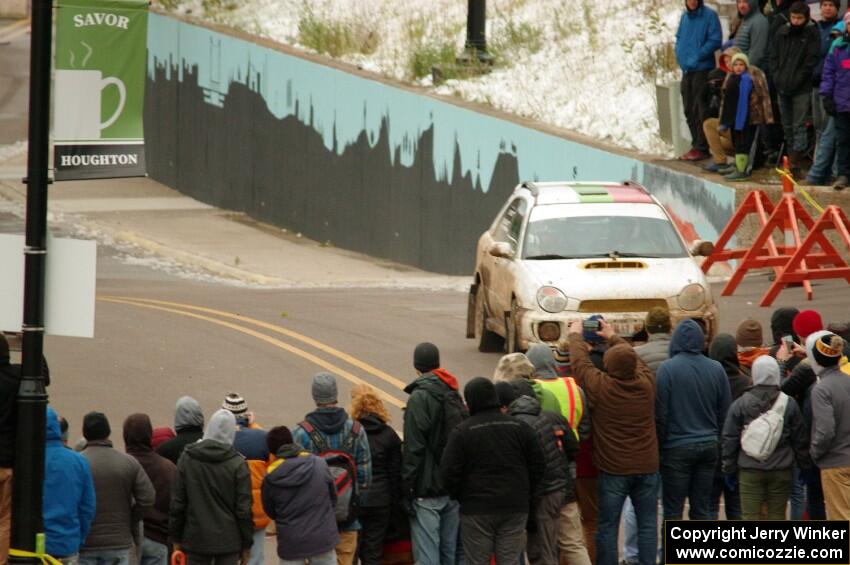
[531, 186]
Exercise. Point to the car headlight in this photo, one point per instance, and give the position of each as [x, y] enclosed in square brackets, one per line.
[692, 297]
[551, 299]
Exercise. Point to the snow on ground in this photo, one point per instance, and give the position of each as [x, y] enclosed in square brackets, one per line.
[583, 65]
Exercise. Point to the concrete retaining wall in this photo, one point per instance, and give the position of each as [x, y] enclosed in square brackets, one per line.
[363, 163]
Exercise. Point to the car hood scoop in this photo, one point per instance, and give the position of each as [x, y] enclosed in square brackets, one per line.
[614, 265]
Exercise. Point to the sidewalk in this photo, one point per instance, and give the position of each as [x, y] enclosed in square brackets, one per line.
[149, 220]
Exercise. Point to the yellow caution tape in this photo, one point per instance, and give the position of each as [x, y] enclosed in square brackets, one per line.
[43, 556]
[803, 191]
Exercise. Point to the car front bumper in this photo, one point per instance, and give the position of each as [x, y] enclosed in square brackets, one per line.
[626, 324]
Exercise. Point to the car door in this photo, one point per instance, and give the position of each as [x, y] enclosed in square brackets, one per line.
[508, 230]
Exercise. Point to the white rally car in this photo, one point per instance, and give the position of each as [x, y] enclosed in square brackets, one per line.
[561, 251]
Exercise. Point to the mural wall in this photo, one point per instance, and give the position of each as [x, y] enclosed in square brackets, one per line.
[362, 164]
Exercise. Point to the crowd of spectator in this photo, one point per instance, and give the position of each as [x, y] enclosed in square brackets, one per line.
[539, 462]
[778, 86]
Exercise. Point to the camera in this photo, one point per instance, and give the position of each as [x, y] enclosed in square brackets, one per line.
[591, 325]
[789, 343]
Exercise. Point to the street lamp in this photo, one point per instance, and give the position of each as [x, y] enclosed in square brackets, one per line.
[28, 475]
[475, 49]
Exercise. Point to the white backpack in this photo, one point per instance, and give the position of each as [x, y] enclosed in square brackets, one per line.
[761, 436]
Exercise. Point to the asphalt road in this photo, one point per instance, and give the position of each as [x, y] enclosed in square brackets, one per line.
[159, 337]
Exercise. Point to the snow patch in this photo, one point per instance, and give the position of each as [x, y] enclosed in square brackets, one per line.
[584, 65]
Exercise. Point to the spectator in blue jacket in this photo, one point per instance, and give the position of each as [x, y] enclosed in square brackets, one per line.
[698, 37]
[69, 499]
[692, 397]
[835, 91]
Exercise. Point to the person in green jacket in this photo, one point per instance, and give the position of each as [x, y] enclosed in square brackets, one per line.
[210, 515]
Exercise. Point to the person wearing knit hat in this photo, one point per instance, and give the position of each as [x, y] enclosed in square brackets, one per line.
[493, 465]
[736, 114]
[298, 494]
[235, 404]
[434, 409]
[806, 323]
[112, 533]
[250, 443]
[764, 483]
[830, 438]
[426, 358]
[330, 428]
[750, 340]
[625, 439]
[512, 367]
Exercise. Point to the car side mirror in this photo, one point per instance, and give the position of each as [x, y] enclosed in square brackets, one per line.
[702, 248]
[501, 249]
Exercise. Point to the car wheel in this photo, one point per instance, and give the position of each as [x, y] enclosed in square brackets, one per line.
[512, 331]
[488, 341]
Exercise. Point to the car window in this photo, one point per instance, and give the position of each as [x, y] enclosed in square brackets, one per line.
[510, 224]
[600, 236]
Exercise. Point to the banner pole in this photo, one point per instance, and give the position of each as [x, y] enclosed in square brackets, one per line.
[28, 471]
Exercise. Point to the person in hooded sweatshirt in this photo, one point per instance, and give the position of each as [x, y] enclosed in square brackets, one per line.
[434, 519]
[692, 399]
[752, 34]
[189, 428]
[69, 498]
[724, 350]
[210, 516]
[561, 394]
[492, 466]
[548, 516]
[698, 37]
[298, 493]
[123, 491]
[329, 428]
[138, 432]
[622, 401]
[830, 444]
[764, 483]
[385, 449]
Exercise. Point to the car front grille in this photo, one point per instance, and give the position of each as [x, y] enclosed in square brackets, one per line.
[622, 305]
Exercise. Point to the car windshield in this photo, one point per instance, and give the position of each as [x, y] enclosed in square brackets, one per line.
[581, 237]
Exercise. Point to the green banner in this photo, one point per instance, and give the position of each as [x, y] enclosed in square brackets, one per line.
[99, 88]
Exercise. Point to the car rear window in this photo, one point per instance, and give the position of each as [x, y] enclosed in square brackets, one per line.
[580, 237]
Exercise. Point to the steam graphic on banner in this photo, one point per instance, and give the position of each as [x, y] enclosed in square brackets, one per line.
[99, 89]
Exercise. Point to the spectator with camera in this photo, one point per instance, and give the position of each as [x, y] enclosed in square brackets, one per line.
[622, 398]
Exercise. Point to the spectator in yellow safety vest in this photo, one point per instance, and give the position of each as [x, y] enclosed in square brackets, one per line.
[573, 407]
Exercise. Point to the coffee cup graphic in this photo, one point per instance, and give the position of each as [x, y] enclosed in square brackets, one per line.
[77, 107]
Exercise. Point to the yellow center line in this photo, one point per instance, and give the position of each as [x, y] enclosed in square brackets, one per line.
[278, 329]
[10, 29]
[261, 336]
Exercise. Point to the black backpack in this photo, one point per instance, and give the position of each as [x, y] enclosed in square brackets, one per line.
[343, 468]
[454, 412]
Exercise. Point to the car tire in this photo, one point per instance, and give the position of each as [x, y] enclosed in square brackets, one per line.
[511, 330]
[488, 342]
